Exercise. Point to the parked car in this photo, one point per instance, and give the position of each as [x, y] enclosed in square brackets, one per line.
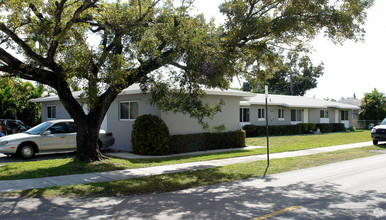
[378, 133]
[47, 137]
[14, 126]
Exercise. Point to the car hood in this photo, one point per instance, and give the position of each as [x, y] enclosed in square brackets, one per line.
[380, 126]
[13, 137]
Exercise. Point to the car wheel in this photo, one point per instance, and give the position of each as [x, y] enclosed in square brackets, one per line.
[375, 142]
[26, 151]
[100, 145]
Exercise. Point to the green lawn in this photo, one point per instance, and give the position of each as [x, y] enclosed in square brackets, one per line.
[184, 180]
[300, 142]
[57, 167]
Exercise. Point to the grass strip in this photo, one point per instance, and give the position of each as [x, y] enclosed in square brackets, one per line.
[190, 179]
[59, 167]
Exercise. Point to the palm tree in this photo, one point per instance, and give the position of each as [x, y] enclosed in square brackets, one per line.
[373, 106]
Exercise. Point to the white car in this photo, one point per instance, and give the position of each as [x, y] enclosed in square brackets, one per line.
[378, 133]
[50, 136]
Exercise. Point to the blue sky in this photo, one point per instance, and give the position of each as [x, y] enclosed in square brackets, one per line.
[349, 68]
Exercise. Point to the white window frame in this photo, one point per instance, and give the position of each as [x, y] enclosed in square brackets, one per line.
[324, 116]
[242, 115]
[280, 114]
[324, 113]
[129, 112]
[261, 114]
[298, 113]
[49, 112]
[345, 114]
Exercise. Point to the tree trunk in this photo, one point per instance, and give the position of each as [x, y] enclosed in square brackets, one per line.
[87, 142]
[88, 125]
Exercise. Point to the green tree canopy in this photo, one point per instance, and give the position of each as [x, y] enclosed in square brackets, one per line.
[373, 106]
[262, 32]
[105, 46]
[295, 77]
[15, 96]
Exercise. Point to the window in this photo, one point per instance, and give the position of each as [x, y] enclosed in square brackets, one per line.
[51, 111]
[323, 113]
[296, 115]
[261, 113]
[71, 127]
[128, 110]
[344, 115]
[280, 115]
[244, 114]
[58, 128]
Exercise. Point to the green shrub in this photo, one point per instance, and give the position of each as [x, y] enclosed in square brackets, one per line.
[307, 127]
[276, 130]
[302, 128]
[331, 127]
[150, 136]
[206, 141]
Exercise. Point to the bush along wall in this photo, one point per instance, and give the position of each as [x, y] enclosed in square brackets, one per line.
[332, 127]
[150, 136]
[302, 128]
[206, 141]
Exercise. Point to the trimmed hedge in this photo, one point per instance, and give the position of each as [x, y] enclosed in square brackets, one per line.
[332, 127]
[302, 128]
[206, 141]
[150, 136]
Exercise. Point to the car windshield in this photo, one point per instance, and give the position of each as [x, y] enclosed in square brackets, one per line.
[38, 128]
[383, 122]
[22, 125]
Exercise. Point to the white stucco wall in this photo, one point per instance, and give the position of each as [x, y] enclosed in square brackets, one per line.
[273, 114]
[183, 124]
[177, 123]
[61, 112]
[122, 129]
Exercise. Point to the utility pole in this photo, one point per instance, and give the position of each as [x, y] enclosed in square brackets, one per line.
[290, 81]
[266, 121]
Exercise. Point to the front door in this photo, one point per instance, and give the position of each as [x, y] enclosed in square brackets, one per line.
[344, 118]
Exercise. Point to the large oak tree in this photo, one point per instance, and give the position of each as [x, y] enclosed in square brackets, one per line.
[106, 46]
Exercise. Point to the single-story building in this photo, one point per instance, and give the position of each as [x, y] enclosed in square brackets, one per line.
[283, 110]
[132, 102]
[292, 110]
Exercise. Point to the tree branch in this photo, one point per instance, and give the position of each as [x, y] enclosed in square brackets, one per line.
[36, 12]
[28, 50]
[16, 67]
[58, 32]
[178, 65]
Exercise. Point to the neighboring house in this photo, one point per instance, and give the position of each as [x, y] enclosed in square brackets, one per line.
[131, 103]
[355, 121]
[291, 110]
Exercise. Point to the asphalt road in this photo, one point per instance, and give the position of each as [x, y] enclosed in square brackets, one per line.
[353, 189]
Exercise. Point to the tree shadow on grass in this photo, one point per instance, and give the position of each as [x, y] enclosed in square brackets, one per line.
[75, 167]
[233, 200]
[55, 168]
[12, 159]
[381, 145]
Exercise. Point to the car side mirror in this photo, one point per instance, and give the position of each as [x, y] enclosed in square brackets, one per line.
[46, 133]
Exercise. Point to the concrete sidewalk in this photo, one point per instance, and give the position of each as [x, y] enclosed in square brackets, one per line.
[12, 185]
